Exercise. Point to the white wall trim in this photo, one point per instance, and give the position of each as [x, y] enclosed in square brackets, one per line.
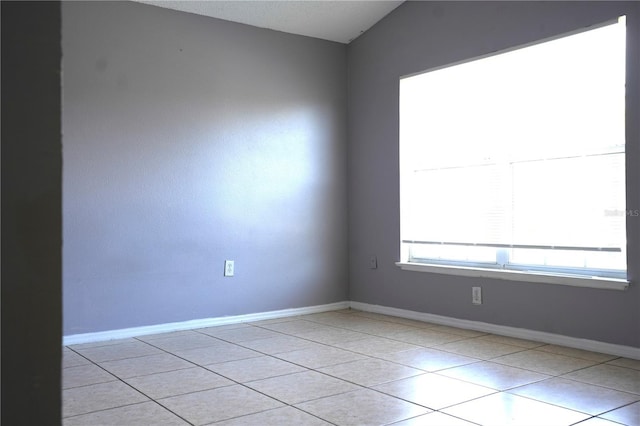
[123, 333]
[514, 275]
[520, 333]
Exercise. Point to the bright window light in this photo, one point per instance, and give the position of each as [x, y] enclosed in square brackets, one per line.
[517, 160]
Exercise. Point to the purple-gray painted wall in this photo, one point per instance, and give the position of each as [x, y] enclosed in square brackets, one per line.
[190, 140]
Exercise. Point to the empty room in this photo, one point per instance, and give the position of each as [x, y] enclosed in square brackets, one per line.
[321, 213]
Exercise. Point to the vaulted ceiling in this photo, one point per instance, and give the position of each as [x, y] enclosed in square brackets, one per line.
[340, 21]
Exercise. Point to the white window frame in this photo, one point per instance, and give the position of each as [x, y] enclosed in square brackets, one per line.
[581, 277]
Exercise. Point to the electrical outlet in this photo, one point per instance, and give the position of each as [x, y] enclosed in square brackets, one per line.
[229, 267]
[373, 262]
[476, 295]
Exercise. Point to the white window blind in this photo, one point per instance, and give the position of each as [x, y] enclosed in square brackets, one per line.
[518, 158]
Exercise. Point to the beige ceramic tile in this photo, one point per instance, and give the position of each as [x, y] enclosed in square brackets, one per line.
[276, 345]
[334, 335]
[274, 320]
[320, 357]
[351, 321]
[132, 367]
[334, 393]
[577, 396]
[370, 372]
[576, 353]
[434, 419]
[374, 315]
[627, 415]
[242, 334]
[492, 375]
[86, 399]
[476, 348]
[398, 320]
[506, 409]
[378, 328]
[218, 404]
[246, 370]
[362, 407]
[626, 362]
[320, 315]
[345, 311]
[185, 342]
[118, 351]
[150, 337]
[429, 359]
[543, 362]
[102, 343]
[528, 344]
[295, 327]
[375, 346]
[218, 353]
[455, 330]
[300, 387]
[285, 416]
[412, 322]
[393, 329]
[427, 337]
[72, 359]
[211, 331]
[143, 414]
[330, 318]
[178, 382]
[434, 391]
[597, 421]
[83, 375]
[609, 376]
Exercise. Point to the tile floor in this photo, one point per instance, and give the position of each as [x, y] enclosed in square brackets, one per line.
[344, 368]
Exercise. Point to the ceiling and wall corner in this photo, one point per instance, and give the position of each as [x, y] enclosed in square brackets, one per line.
[340, 21]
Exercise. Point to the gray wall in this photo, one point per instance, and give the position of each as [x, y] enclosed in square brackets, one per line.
[31, 214]
[188, 141]
[422, 35]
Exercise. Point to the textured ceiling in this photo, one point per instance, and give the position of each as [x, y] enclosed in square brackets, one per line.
[340, 21]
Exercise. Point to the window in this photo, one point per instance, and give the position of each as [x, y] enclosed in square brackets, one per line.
[517, 161]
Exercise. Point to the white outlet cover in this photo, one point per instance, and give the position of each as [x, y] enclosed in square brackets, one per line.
[229, 268]
[476, 295]
[373, 262]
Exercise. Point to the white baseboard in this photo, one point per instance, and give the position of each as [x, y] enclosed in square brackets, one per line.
[101, 336]
[520, 333]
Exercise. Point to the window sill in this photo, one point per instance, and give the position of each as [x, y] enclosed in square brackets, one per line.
[592, 282]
